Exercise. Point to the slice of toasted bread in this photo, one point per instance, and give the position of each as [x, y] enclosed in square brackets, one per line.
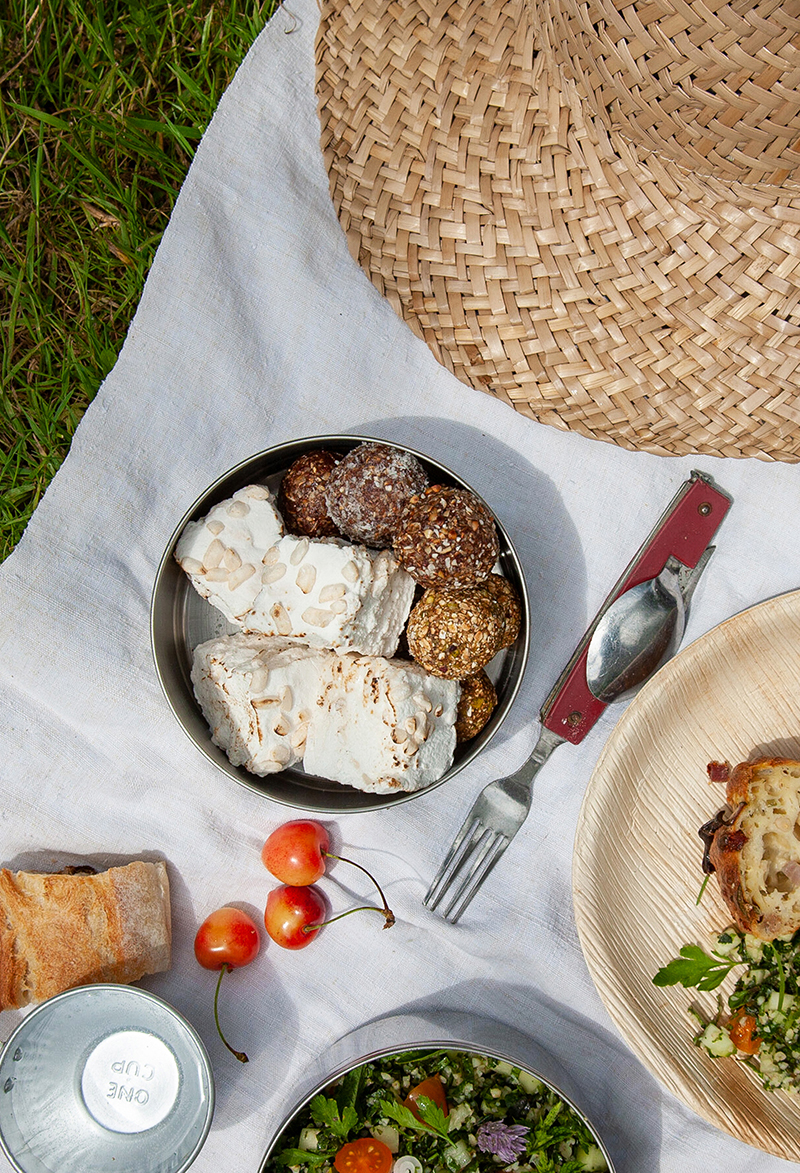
[61, 931]
[755, 846]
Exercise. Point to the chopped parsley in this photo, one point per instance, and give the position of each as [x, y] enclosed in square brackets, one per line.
[767, 991]
[480, 1091]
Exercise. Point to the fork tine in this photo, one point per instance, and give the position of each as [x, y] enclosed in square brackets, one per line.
[459, 849]
[494, 819]
[491, 846]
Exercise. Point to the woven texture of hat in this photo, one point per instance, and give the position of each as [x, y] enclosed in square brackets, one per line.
[714, 86]
[548, 258]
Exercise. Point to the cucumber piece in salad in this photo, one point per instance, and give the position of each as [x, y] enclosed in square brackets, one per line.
[486, 1113]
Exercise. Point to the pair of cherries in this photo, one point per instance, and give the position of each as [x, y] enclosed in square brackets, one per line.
[296, 853]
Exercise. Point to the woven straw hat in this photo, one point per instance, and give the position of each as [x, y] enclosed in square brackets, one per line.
[591, 211]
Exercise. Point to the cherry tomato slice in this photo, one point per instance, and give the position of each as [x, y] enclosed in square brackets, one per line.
[741, 1029]
[366, 1155]
[433, 1088]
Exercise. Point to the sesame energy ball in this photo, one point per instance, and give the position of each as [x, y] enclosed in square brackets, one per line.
[369, 489]
[454, 633]
[447, 538]
[475, 705]
[508, 599]
[301, 497]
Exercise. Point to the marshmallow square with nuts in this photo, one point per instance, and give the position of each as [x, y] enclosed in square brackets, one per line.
[332, 594]
[222, 552]
[382, 725]
[258, 695]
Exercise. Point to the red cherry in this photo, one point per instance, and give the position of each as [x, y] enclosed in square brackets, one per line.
[295, 853]
[294, 915]
[227, 939]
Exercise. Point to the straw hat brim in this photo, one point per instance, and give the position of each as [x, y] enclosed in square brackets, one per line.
[543, 257]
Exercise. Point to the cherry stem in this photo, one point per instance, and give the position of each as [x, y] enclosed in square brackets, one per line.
[387, 912]
[240, 1055]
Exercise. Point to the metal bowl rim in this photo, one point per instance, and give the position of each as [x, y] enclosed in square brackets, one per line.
[342, 1069]
[200, 505]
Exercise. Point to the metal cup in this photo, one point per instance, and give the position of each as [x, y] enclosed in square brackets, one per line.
[104, 1077]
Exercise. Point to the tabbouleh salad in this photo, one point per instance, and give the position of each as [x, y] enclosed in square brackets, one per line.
[760, 1025]
[437, 1111]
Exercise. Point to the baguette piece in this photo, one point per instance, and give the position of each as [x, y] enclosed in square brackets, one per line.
[754, 846]
[61, 931]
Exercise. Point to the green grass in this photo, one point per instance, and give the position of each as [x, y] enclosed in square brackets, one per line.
[102, 105]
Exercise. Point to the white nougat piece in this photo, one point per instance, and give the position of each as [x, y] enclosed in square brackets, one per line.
[332, 594]
[222, 553]
[382, 725]
[257, 694]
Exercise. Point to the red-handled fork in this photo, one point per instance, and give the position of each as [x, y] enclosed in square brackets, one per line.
[680, 537]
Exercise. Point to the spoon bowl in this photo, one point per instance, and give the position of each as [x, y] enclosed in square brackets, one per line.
[639, 632]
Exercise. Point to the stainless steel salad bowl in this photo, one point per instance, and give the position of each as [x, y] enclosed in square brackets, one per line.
[180, 620]
[452, 1031]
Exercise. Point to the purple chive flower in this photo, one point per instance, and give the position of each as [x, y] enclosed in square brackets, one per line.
[506, 1141]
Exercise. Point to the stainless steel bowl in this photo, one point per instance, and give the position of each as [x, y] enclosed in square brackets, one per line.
[452, 1030]
[180, 620]
[104, 1077]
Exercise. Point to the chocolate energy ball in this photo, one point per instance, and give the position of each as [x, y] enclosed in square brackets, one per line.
[508, 599]
[301, 496]
[475, 705]
[369, 489]
[454, 633]
[447, 538]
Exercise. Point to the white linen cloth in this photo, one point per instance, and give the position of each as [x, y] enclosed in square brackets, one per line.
[256, 327]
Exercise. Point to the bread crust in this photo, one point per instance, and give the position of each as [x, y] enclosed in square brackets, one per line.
[755, 846]
[61, 931]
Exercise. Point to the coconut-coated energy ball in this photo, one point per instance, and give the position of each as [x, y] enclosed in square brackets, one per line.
[369, 489]
[301, 496]
[447, 538]
[509, 602]
[454, 633]
[475, 705]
